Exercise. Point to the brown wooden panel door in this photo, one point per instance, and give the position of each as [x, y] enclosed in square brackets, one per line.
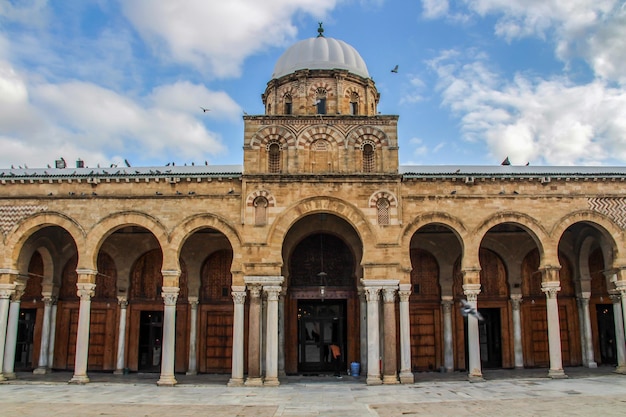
[424, 339]
[536, 349]
[216, 339]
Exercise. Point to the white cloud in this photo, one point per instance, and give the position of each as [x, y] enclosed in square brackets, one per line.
[433, 9]
[216, 37]
[544, 121]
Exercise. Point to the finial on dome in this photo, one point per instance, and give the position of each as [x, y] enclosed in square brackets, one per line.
[320, 31]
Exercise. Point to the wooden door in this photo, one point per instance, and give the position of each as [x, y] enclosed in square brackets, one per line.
[216, 339]
[425, 338]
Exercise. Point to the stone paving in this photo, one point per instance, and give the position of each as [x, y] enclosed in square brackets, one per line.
[503, 393]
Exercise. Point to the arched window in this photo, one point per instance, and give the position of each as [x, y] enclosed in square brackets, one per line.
[369, 160]
[320, 100]
[273, 160]
[260, 211]
[354, 104]
[382, 206]
[288, 104]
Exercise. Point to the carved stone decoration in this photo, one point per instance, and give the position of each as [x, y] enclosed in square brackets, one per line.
[170, 295]
[85, 291]
[550, 289]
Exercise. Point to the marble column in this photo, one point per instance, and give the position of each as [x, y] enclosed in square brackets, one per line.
[42, 367]
[85, 292]
[363, 328]
[406, 374]
[390, 364]
[8, 364]
[373, 336]
[587, 336]
[281, 333]
[53, 333]
[121, 336]
[620, 344]
[193, 325]
[170, 296]
[516, 301]
[6, 291]
[239, 298]
[473, 340]
[254, 337]
[448, 347]
[620, 286]
[551, 288]
[271, 347]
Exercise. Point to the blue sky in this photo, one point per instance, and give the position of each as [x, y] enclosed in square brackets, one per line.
[539, 81]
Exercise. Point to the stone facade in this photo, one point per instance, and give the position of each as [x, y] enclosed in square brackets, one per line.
[316, 239]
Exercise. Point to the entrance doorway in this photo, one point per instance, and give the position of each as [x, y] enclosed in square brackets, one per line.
[606, 334]
[321, 324]
[150, 338]
[25, 337]
[489, 333]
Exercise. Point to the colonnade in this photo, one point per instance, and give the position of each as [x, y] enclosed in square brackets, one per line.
[265, 337]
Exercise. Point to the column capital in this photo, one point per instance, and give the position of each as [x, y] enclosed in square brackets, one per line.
[620, 286]
[48, 299]
[122, 301]
[193, 302]
[170, 295]
[255, 290]
[372, 293]
[85, 290]
[551, 288]
[239, 297]
[516, 300]
[6, 291]
[447, 305]
[471, 291]
[272, 291]
[19, 291]
[584, 296]
[404, 292]
[389, 294]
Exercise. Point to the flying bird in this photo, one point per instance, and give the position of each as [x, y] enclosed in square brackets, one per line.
[204, 110]
[126, 162]
[395, 69]
[469, 310]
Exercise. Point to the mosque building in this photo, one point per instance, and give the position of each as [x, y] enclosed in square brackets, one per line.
[320, 238]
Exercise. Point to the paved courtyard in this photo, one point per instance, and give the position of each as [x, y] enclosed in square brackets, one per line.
[509, 393]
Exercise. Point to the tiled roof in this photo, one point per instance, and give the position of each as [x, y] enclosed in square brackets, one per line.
[161, 171]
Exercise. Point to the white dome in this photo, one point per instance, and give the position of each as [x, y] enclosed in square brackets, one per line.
[320, 53]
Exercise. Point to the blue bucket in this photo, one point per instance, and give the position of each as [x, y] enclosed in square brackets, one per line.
[355, 369]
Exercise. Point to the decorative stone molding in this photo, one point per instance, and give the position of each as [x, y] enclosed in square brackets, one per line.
[471, 291]
[404, 292]
[389, 294]
[85, 290]
[372, 293]
[170, 295]
[551, 288]
[273, 292]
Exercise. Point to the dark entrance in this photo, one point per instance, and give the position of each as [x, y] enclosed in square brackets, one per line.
[25, 336]
[150, 338]
[606, 334]
[320, 324]
[490, 339]
[489, 333]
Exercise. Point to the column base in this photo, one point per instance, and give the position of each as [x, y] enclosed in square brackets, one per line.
[620, 369]
[191, 373]
[9, 375]
[2, 378]
[390, 379]
[271, 382]
[41, 371]
[254, 382]
[167, 381]
[592, 365]
[79, 380]
[556, 374]
[407, 378]
[235, 382]
[375, 380]
[475, 378]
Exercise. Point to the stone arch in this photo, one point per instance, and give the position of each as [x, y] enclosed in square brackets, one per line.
[106, 226]
[317, 132]
[340, 208]
[609, 230]
[27, 227]
[187, 227]
[273, 134]
[271, 201]
[547, 251]
[393, 202]
[360, 135]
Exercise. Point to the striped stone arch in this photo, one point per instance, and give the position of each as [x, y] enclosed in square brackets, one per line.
[287, 90]
[367, 134]
[273, 134]
[352, 89]
[26, 227]
[106, 226]
[314, 133]
[271, 201]
[320, 85]
[393, 202]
